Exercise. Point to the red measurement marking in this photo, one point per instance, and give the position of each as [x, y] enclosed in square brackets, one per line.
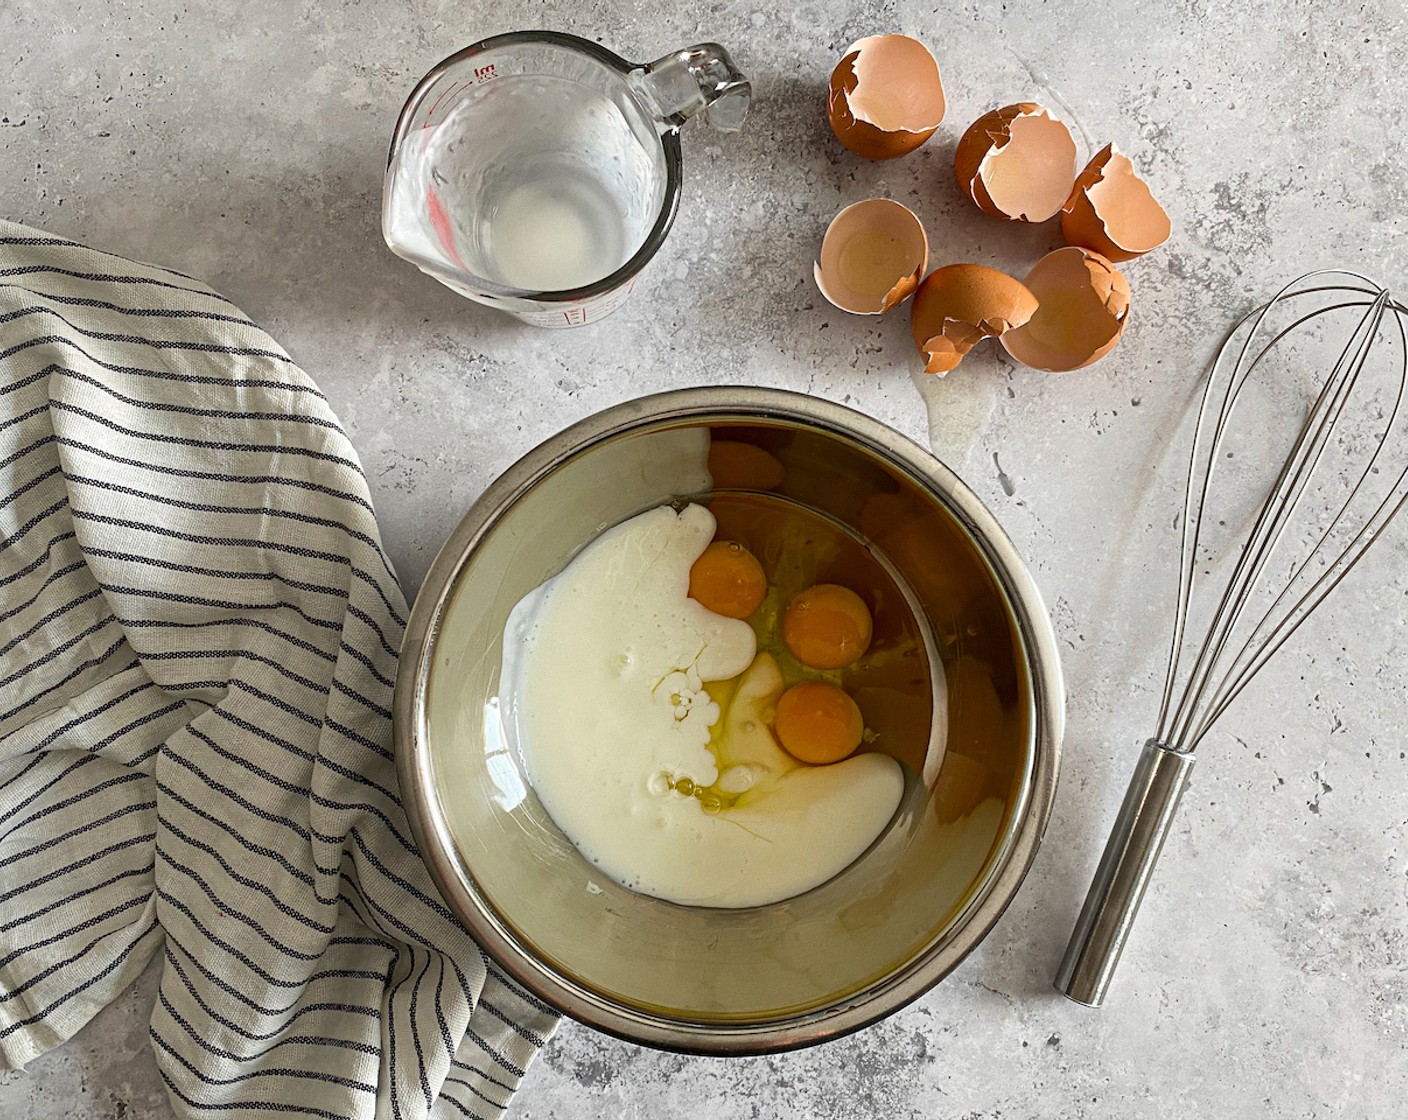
[575, 316]
[484, 73]
[444, 94]
[440, 223]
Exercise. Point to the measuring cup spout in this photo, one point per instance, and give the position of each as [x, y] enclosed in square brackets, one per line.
[699, 77]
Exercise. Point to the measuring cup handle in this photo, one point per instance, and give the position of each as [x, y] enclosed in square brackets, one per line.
[699, 77]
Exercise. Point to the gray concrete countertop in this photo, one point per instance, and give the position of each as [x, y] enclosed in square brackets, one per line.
[1269, 973]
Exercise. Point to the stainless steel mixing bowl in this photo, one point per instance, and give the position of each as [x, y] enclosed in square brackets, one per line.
[772, 977]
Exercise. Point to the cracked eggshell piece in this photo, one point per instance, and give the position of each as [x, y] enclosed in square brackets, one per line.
[1017, 163]
[959, 305]
[1083, 309]
[886, 97]
[1112, 211]
[872, 257]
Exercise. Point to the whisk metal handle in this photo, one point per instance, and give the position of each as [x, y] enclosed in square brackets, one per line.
[1125, 869]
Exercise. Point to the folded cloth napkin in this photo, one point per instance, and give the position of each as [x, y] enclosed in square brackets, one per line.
[198, 638]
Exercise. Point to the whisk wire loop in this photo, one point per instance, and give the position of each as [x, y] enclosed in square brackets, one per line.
[1195, 697]
[1271, 520]
[1335, 570]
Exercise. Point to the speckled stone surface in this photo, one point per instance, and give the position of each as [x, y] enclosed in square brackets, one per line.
[1269, 973]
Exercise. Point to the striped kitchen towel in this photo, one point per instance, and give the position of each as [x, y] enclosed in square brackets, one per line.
[198, 638]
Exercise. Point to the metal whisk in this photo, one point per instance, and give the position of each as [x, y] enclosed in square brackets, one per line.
[1287, 556]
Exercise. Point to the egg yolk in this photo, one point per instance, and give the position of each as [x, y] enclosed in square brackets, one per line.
[827, 626]
[818, 723]
[742, 466]
[728, 580]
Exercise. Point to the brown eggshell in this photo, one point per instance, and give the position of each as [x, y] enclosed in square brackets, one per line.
[1017, 163]
[1083, 310]
[1112, 210]
[886, 97]
[959, 305]
[872, 257]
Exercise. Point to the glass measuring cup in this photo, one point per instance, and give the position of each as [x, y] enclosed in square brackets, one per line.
[539, 172]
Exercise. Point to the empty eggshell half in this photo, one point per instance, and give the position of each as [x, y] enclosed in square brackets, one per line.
[872, 257]
[959, 305]
[1083, 308]
[1112, 210]
[886, 97]
[1017, 162]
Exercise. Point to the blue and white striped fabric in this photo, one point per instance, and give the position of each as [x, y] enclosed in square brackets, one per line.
[198, 637]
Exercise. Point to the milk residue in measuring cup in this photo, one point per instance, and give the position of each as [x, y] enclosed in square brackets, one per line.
[605, 674]
[554, 234]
